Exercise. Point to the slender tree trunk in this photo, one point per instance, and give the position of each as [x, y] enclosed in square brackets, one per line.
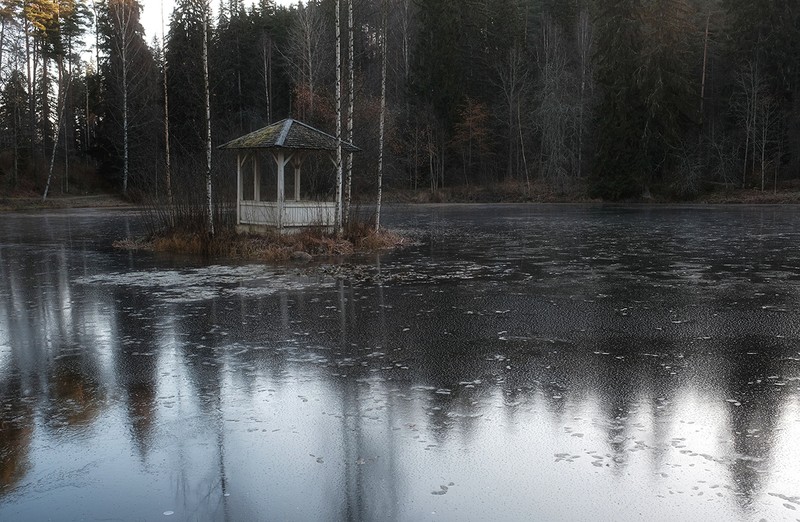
[207, 103]
[756, 100]
[87, 137]
[267, 51]
[777, 163]
[45, 88]
[350, 109]
[585, 40]
[747, 123]
[338, 218]
[703, 78]
[30, 62]
[122, 12]
[763, 154]
[522, 150]
[167, 152]
[2, 39]
[16, 142]
[55, 145]
[382, 125]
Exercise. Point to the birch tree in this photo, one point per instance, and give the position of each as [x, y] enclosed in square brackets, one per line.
[513, 79]
[585, 45]
[125, 42]
[167, 154]
[351, 87]
[382, 123]
[307, 56]
[338, 95]
[752, 89]
[207, 105]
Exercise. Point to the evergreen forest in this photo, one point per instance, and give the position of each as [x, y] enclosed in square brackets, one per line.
[619, 98]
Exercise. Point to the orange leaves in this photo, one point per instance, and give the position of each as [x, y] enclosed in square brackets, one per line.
[472, 129]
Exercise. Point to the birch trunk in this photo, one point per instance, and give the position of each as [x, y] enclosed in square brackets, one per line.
[267, 58]
[585, 44]
[167, 153]
[55, 145]
[703, 77]
[207, 103]
[338, 218]
[382, 126]
[123, 21]
[351, 107]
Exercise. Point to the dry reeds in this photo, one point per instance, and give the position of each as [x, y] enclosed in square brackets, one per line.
[359, 238]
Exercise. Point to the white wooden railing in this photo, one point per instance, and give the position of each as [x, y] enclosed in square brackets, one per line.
[295, 213]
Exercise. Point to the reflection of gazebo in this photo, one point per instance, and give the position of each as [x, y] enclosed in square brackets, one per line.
[289, 141]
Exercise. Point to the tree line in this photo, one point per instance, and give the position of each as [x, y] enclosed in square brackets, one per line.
[624, 97]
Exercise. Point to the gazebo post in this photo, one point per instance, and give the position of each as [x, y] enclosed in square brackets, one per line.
[297, 163]
[281, 159]
[256, 180]
[239, 188]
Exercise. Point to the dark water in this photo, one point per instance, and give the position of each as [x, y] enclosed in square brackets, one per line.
[520, 363]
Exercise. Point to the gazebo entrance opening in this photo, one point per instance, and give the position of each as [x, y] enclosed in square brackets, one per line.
[262, 188]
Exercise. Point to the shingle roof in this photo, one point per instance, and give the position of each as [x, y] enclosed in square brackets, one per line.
[288, 134]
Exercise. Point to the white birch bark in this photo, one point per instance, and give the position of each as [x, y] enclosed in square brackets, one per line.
[382, 125]
[209, 200]
[167, 155]
[55, 145]
[338, 219]
[351, 108]
[121, 12]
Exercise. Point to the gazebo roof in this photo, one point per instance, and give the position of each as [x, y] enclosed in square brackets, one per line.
[288, 134]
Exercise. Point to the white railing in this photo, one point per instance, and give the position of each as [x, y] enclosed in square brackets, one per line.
[295, 213]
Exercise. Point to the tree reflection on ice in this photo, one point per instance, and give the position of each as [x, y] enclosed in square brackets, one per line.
[477, 373]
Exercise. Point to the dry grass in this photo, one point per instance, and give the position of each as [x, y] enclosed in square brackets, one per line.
[60, 202]
[501, 192]
[752, 196]
[270, 248]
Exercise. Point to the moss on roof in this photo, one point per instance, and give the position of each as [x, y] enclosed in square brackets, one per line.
[288, 134]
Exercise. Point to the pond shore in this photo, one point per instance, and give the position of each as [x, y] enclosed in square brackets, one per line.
[496, 193]
[33, 202]
[515, 192]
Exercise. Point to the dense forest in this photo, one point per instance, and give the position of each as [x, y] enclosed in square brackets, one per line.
[625, 98]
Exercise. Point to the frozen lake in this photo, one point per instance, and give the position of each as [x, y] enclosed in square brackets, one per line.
[520, 363]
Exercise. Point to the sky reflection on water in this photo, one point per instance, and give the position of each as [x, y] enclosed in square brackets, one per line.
[553, 363]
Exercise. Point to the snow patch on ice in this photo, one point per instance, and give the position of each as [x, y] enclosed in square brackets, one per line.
[206, 283]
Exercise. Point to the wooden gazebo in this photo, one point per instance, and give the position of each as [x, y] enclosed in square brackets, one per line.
[288, 141]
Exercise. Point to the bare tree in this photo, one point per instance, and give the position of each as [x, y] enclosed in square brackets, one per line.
[351, 107]
[513, 78]
[167, 154]
[62, 103]
[765, 132]
[266, 58]
[207, 104]
[307, 55]
[752, 88]
[338, 94]
[585, 42]
[126, 45]
[554, 114]
[382, 125]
